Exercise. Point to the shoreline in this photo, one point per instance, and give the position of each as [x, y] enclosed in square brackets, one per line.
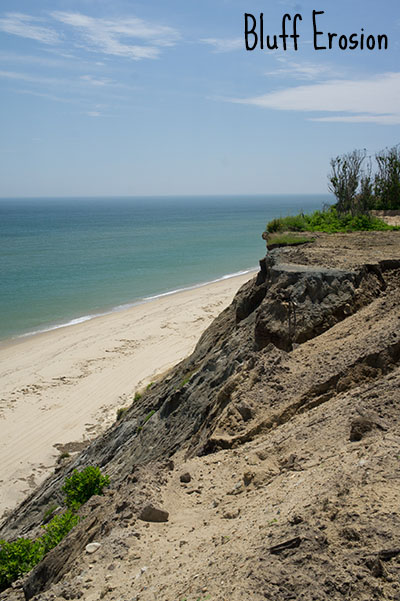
[63, 387]
[5, 342]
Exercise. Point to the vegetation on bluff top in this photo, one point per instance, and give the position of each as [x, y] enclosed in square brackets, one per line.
[329, 221]
[357, 192]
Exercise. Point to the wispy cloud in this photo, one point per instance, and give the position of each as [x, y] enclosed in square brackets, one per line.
[381, 119]
[306, 70]
[59, 61]
[373, 100]
[110, 36]
[41, 61]
[47, 96]
[28, 27]
[96, 81]
[83, 82]
[224, 45]
[15, 75]
[88, 109]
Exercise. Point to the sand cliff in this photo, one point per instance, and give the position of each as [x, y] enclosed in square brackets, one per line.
[286, 418]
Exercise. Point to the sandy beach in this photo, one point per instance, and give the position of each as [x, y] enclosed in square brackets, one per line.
[63, 387]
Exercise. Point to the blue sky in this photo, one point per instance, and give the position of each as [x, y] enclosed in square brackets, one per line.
[161, 96]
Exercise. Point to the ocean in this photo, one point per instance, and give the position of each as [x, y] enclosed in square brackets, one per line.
[66, 260]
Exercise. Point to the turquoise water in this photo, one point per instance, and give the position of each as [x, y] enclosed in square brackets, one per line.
[66, 260]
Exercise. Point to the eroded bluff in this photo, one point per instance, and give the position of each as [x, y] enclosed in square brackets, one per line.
[249, 374]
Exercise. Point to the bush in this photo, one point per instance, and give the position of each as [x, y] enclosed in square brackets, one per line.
[82, 485]
[121, 412]
[290, 223]
[328, 221]
[57, 529]
[17, 558]
[20, 556]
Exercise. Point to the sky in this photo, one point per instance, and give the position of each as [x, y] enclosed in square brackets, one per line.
[161, 97]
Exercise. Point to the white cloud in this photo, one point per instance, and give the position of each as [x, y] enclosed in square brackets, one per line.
[224, 45]
[366, 100]
[304, 70]
[95, 81]
[28, 27]
[30, 78]
[12, 57]
[93, 114]
[47, 96]
[109, 35]
[68, 84]
[381, 119]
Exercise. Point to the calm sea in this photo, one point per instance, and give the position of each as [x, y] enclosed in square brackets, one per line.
[67, 260]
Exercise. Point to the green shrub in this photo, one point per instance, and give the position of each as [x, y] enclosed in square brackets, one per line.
[145, 420]
[276, 225]
[18, 558]
[57, 529]
[137, 396]
[291, 223]
[121, 412]
[185, 379]
[148, 416]
[328, 221]
[50, 512]
[82, 485]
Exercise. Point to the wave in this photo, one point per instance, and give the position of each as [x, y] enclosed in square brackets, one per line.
[224, 277]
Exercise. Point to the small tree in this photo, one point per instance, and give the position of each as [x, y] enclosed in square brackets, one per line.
[344, 180]
[365, 198]
[387, 179]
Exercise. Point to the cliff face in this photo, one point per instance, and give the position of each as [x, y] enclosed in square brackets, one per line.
[286, 414]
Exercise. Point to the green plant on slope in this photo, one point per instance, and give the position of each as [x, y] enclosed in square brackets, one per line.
[17, 558]
[57, 529]
[82, 485]
[20, 556]
[148, 416]
[121, 412]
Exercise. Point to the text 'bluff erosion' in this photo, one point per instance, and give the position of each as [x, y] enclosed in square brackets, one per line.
[289, 37]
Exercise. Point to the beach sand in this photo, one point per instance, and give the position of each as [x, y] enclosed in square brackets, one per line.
[61, 388]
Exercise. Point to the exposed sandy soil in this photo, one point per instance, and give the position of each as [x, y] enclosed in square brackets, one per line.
[389, 217]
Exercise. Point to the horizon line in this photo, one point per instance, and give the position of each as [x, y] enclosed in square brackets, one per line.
[181, 195]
